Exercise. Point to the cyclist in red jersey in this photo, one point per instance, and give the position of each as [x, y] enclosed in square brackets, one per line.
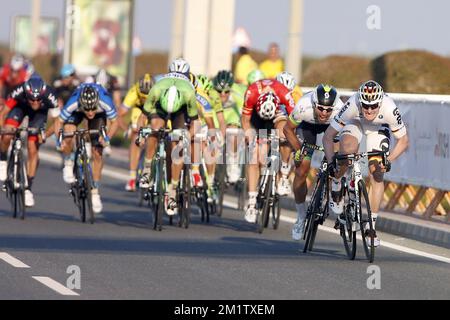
[12, 75]
[267, 106]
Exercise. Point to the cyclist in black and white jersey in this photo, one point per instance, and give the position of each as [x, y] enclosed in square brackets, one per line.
[371, 113]
[311, 116]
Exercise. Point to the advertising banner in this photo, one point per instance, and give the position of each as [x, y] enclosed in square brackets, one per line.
[47, 40]
[101, 36]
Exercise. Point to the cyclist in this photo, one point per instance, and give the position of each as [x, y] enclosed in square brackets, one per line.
[12, 75]
[134, 101]
[36, 100]
[171, 98]
[92, 102]
[206, 90]
[110, 83]
[371, 113]
[289, 82]
[66, 84]
[232, 97]
[311, 117]
[262, 110]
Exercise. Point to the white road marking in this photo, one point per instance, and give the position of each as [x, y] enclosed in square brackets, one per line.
[383, 243]
[13, 261]
[124, 177]
[56, 286]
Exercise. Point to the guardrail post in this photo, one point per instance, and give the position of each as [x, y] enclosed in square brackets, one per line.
[397, 194]
[434, 204]
[415, 201]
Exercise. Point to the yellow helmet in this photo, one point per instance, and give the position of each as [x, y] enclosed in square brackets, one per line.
[144, 86]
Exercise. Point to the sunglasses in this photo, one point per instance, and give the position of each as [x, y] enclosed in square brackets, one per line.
[224, 91]
[322, 109]
[367, 106]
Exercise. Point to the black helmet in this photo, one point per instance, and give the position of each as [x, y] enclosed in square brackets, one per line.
[325, 95]
[89, 98]
[223, 80]
[35, 88]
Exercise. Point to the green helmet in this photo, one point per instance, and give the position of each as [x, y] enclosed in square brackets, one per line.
[223, 81]
[171, 100]
[204, 83]
[254, 76]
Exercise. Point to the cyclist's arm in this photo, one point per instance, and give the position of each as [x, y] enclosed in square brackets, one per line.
[328, 142]
[289, 132]
[400, 147]
[113, 127]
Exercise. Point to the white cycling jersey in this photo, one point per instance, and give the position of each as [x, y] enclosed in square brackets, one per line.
[304, 111]
[388, 116]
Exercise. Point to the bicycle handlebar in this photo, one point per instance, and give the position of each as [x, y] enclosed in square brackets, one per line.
[312, 147]
[18, 131]
[357, 156]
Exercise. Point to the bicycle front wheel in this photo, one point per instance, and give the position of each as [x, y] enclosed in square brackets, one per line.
[88, 186]
[365, 218]
[263, 218]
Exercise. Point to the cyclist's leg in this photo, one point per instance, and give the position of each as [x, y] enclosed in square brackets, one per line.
[37, 120]
[284, 187]
[134, 151]
[67, 146]
[351, 137]
[378, 139]
[309, 135]
[13, 120]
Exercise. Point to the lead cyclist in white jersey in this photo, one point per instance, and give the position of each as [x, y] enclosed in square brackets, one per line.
[371, 113]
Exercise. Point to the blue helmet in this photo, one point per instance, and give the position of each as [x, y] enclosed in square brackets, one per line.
[67, 70]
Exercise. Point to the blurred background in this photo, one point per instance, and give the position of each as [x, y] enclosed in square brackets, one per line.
[401, 44]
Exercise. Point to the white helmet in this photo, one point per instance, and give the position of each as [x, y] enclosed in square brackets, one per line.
[370, 93]
[180, 66]
[17, 62]
[267, 105]
[287, 79]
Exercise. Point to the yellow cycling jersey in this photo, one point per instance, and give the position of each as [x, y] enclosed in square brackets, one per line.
[297, 93]
[132, 98]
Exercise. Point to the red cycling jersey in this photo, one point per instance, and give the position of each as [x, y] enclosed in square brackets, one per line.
[264, 86]
[6, 80]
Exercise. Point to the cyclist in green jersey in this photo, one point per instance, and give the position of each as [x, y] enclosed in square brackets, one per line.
[171, 98]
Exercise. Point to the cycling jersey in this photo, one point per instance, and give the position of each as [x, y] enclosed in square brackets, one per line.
[188, 96]
[19, 97]
[388, 116]
[264, 86]
[132, 99]
[106, 105]
[64, 92]
[107, 80]
[297, 93]
[8, 82]
[19, 108]
[304, 111]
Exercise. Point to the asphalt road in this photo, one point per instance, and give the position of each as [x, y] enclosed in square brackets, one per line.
[121, 257]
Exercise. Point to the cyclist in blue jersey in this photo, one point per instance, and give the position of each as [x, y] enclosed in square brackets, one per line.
[92, 102]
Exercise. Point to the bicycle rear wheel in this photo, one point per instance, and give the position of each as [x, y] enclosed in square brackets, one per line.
[367, 231]
[276, 212]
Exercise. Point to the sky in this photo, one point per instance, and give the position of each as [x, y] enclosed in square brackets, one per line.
[330, 27]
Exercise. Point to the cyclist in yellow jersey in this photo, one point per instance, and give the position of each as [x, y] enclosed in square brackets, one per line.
[134, 101]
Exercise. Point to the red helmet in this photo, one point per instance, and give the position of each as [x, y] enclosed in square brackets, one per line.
[267, 105]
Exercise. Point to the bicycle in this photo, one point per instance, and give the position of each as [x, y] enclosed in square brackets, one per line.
[17, 182]
[157, 191]
[354, 218]
[81, 189]
[317, 211]
[268, 200]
